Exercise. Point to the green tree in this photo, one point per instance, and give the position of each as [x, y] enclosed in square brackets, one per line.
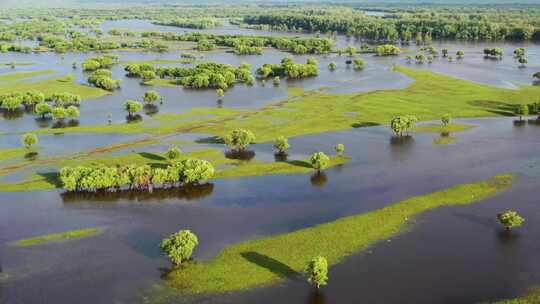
[445, 119]
[43, 109]
[133, 107]
[332, 66]
[317, 271]
[319, 161]
[444, 52]
[522, 110]
[220, 93]
[400, 124]
[276, 81]
[73, 111]
[150, 97]
[339, 148]
[239, 139]
[359, 63]
[179, 246]
[460, 54]
[29, 140]
[281, 144]
[173, 153]
[523, 61]
[59, 113]
[510, 219]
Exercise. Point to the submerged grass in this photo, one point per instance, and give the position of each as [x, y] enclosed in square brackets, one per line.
[266, 260]
[450, 128]
[60, 236]
[445, 140]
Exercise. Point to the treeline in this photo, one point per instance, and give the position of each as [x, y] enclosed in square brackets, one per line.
[406, 26]
[295, 45]
[144, 177]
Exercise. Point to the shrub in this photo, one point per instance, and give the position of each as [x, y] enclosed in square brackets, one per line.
[151, 97]
[173, 153]
[510, 219]
[319, 161]
[239, 139]
[179, 246]
[29, 140]
[317, 271]
[133, 107]
[281, 144]
[340, 148]
[400, 124]
[445, 119]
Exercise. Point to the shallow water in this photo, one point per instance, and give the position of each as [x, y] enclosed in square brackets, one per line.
[126, 256]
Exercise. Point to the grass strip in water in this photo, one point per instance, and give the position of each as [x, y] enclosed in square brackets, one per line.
[60, 236]
[15, 76]
[450, 128]
[263, 261]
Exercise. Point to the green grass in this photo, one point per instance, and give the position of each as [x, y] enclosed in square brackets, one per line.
[157, 61]
[263, 261]
[11, 153]
[22, 75]
[439, 128]
[430, 97]
[532, 297]
[60, 236]
[53, 85]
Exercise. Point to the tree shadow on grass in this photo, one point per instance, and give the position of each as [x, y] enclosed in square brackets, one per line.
[151, 156]
[496, 107]
[52, 178]
[210, 140]
[364, 124]
[269, 263]
[300, 163]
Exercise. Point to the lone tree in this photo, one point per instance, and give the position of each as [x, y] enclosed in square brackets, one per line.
[444, 52]
[239, 139]
[173, 153]
[460, 54]
[400, 124]
[317, 271]
[510, 219]
[332, 66]
[133, 107]
[220, 93]
[522, 110]
[277, 80]
[523, 61]
[282, 144]
[29, 140]
[340, 148]
[537, 75]
[150, 97]
[445, 119]
[359, 63]
[319, 161]
[179, 246]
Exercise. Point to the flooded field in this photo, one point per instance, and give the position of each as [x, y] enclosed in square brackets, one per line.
[456, 254]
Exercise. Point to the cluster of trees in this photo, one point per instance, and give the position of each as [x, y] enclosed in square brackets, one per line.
[144, 177]
[494, 53]
[242, 49]
[17, 48]
[290, 69]
[403, 123]
[103, 62]
[387, 50]
[102, 78]
[28, 99]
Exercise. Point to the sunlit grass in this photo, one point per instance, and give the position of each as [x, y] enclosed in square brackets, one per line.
[15, 76]
[266, 260]
[533, 297]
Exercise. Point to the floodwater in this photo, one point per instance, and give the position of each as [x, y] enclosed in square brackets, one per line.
[451, 255]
